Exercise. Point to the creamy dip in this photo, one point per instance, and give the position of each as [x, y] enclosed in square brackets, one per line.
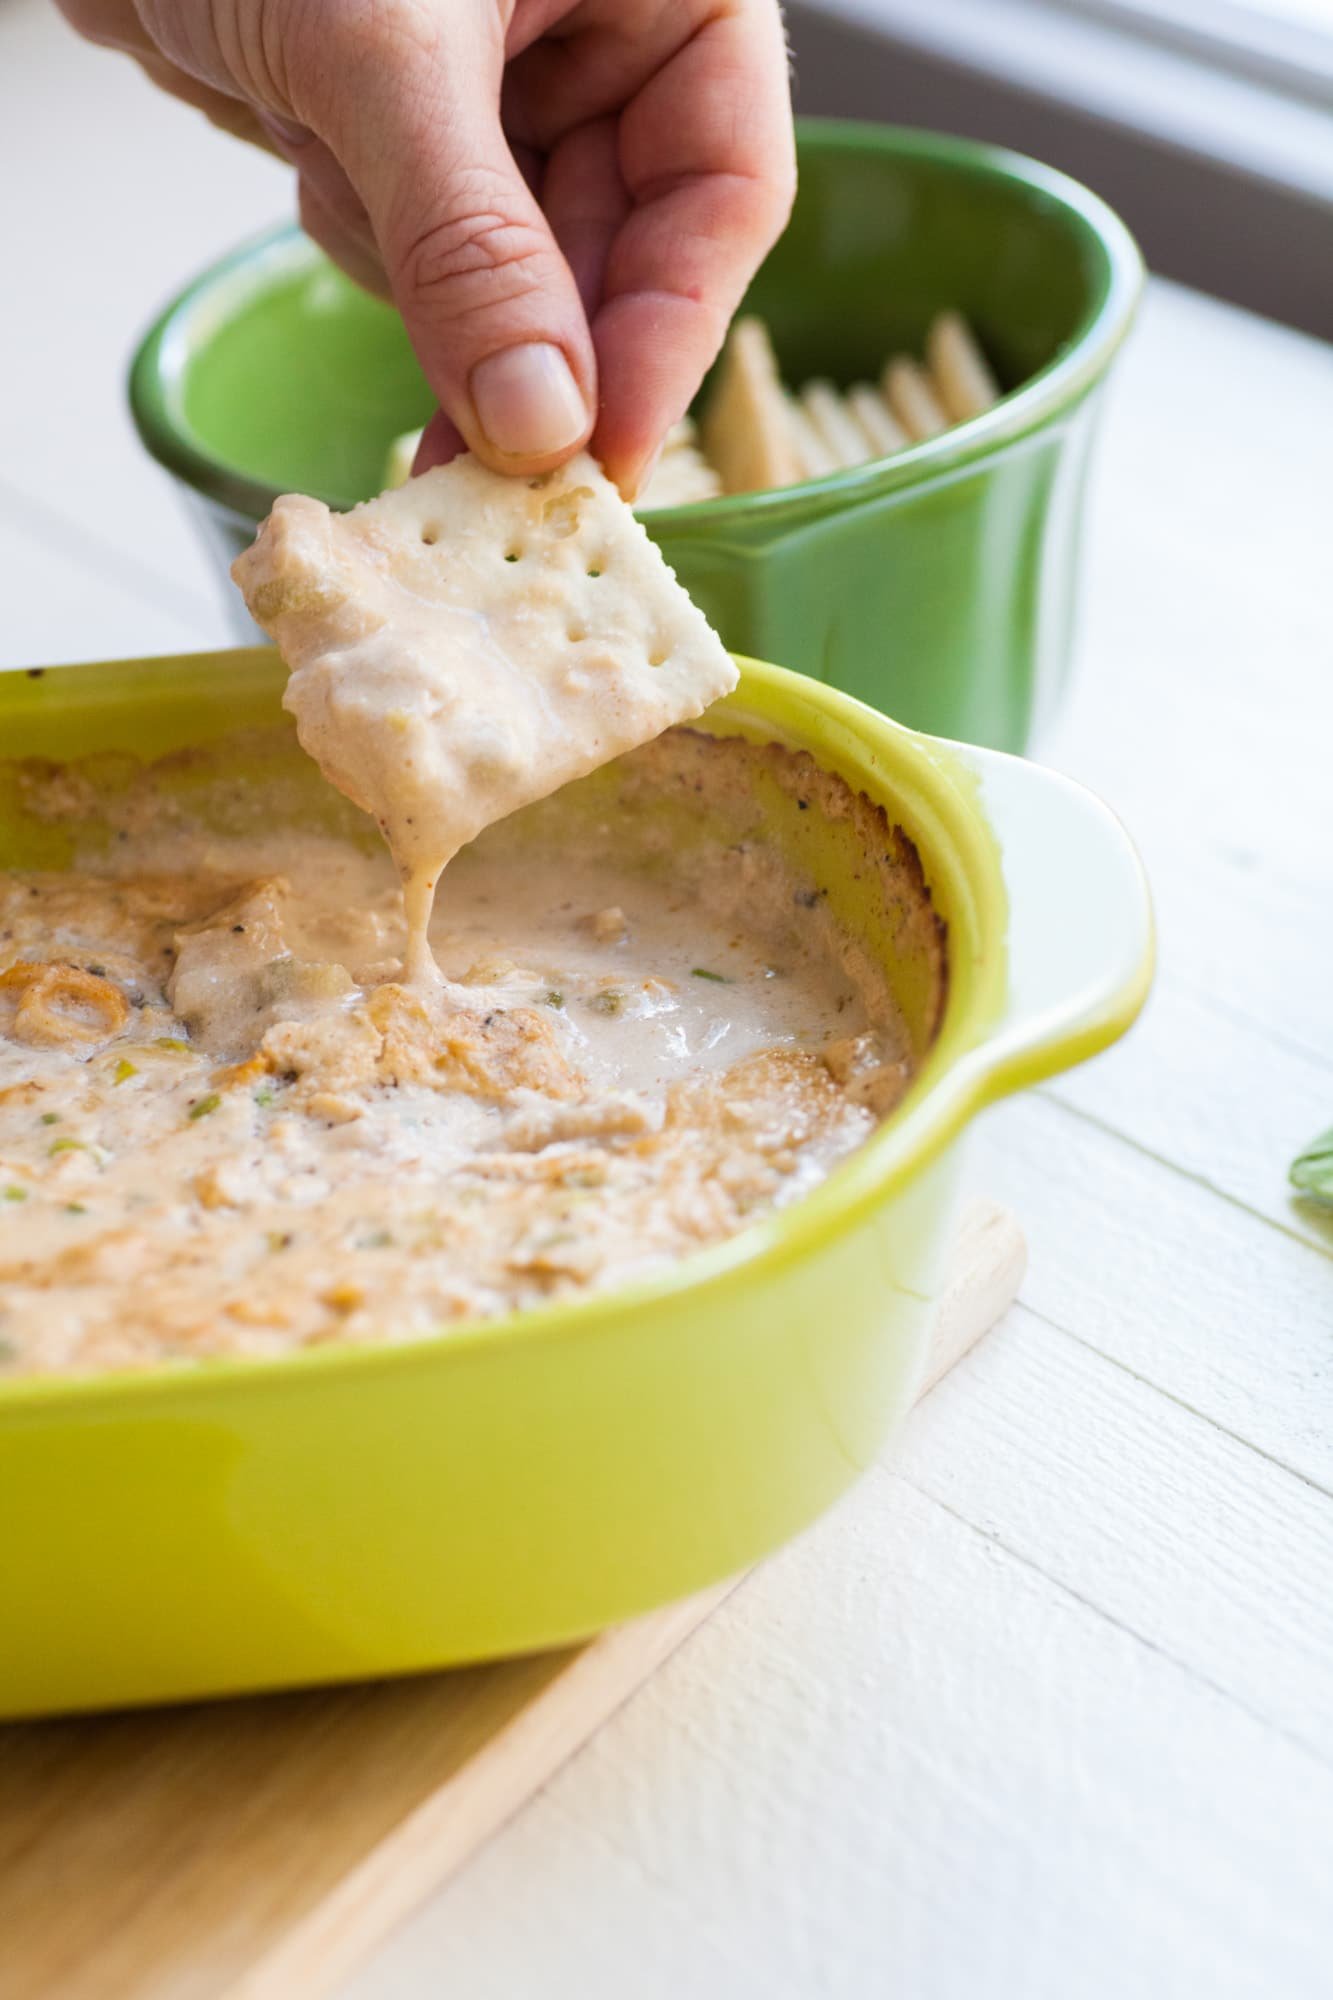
[229, 1125]
[467, 643]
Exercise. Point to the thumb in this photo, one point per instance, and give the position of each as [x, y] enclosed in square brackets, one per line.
[489, 302]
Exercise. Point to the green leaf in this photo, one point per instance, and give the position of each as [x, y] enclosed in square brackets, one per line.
[205, 1105]
[1312, 1171]
[16, 1194]
[68, 1146]
[124, 1071]
[702, 972]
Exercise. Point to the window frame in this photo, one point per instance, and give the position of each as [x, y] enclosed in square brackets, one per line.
[1236, 35]
[1097, 58]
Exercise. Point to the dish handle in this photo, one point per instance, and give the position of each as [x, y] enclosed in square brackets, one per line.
[1081, 938]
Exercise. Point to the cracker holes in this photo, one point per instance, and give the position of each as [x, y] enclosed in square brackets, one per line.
[512, 555]
[430, 534]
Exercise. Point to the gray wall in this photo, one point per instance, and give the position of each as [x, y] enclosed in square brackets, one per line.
[1197, 220]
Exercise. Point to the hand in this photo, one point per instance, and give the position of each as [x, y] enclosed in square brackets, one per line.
[564, 198]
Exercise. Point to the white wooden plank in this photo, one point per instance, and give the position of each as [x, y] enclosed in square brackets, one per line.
[1207, 1303]
[58, 608]
[1218, 1098]
[1203, 709]
[1182, 1534]
[1236, 849]
[78, 537]
[99, 251]
[982, 1787]
[1170, 450]
[1203, 703]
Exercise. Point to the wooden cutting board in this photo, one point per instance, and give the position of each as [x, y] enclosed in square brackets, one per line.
[257, 1849]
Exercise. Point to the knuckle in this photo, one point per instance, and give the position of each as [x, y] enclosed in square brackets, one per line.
[322, 43]
[781, 203]
[385, 30]
[759, 206]
[783, 185]
[475, 258]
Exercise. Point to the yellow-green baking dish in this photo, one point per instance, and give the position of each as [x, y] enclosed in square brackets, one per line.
[199, 1529]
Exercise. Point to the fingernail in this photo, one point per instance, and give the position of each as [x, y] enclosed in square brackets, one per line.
[527, 400]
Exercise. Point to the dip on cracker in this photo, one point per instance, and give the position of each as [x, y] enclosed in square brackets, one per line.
[467, 643]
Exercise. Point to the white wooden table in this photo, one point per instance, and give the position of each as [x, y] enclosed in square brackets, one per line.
[1045, 1708]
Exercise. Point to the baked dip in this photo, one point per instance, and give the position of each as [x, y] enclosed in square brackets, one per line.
[253, 1099]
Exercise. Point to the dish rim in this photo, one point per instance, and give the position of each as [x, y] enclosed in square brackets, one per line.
[158, 368]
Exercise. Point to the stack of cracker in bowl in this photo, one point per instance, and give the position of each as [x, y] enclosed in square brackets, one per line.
[756, 434]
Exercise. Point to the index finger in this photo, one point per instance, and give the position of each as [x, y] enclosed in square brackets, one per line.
[707, 157]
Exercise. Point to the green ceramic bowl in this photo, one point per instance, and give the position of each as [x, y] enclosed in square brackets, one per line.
[937, 585]
[340, 1513]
